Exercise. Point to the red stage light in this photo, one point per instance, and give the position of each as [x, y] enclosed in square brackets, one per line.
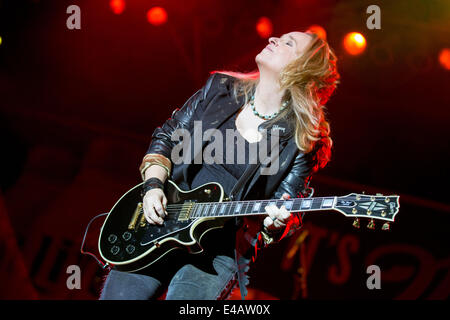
[157, 16]
[117, 6]
[264, 27]
[319, 31]
[354, 43]
[444, 58]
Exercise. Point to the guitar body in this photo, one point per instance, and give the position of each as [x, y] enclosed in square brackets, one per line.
[130, 243]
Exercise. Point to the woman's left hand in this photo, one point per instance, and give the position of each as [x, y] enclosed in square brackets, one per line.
[278, 217]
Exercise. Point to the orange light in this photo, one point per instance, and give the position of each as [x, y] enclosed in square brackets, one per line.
[354, 43]
[264, 27]
[444, 58]
[157, 16]
[321, 33]
[117, 6]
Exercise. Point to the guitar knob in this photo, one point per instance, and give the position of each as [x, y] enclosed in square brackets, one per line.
[126, 236]
[112, 238]
[386, 226]
[115, 250]
[356, 223]
[371, 225]
[130, 249]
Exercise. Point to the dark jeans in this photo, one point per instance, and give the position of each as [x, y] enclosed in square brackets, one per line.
[190, 282]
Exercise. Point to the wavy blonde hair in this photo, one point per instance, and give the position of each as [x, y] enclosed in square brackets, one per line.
[308, 82]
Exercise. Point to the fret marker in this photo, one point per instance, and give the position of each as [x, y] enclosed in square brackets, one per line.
[327, 203]
[238, 207]
[256, 206]
[288, 204]
[306, 203]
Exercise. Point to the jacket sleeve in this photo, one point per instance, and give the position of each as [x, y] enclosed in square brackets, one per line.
[296, 179]
[293, 184]
[182, 118]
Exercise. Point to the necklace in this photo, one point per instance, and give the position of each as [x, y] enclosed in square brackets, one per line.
[270, 116]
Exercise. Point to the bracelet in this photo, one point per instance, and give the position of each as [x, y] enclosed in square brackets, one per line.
[157, 159]
[150, 184]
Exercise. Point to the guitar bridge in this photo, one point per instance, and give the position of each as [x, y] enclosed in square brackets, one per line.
[185, 212]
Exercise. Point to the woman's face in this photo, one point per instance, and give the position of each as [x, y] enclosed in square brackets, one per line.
[282, 51]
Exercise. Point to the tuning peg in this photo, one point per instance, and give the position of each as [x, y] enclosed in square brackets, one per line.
[386, 226]
[363, 192]
[356, 223]
[371, 224]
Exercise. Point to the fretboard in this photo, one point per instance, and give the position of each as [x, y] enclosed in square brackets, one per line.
[257, 207]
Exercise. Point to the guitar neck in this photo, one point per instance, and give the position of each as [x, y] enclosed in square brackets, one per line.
[257, 207]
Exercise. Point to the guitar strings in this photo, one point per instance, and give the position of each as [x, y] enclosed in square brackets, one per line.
[180, 205]
[174, 208]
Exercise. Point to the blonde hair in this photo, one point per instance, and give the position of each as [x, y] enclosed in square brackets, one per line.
[308, 82]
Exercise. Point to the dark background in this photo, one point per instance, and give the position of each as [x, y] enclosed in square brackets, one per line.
[78, 107]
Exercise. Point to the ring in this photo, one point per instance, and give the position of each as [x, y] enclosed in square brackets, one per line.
[273, 219]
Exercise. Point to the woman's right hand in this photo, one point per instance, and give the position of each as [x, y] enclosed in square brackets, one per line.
[154, 204]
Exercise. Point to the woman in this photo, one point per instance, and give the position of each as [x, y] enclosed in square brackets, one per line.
[296, 76]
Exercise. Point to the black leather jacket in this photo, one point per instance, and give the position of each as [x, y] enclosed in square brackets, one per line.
[212, 105]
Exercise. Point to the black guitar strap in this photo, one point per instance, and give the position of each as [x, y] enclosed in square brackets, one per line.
[251, 169]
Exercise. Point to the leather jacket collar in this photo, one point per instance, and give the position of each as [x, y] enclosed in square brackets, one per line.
[219, 113]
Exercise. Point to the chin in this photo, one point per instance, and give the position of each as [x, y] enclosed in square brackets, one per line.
[259, 59]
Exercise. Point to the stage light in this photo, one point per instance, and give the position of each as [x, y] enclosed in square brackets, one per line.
[157, 16]
[264, 27]
[321, 33]
[117, 6]
[1, 41]
[354, 43]
[444, 58]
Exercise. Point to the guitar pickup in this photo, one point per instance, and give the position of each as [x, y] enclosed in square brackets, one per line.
[135, 217]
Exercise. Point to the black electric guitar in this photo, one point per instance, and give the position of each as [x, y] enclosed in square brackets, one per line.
[129, 243]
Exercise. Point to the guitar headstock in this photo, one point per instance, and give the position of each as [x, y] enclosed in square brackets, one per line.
[369, 206]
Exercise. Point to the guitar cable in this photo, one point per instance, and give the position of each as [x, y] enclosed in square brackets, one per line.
[102, 265]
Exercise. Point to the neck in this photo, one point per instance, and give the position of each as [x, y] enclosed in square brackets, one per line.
[268, 95]
[257, 207]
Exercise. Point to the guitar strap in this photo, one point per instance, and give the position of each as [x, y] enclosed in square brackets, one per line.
[237, 190]
[251, 169]
[244, 178]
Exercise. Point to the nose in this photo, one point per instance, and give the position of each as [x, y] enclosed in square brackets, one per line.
[273, 41]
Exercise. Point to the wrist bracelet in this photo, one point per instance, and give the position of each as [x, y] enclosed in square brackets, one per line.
[150, 184]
